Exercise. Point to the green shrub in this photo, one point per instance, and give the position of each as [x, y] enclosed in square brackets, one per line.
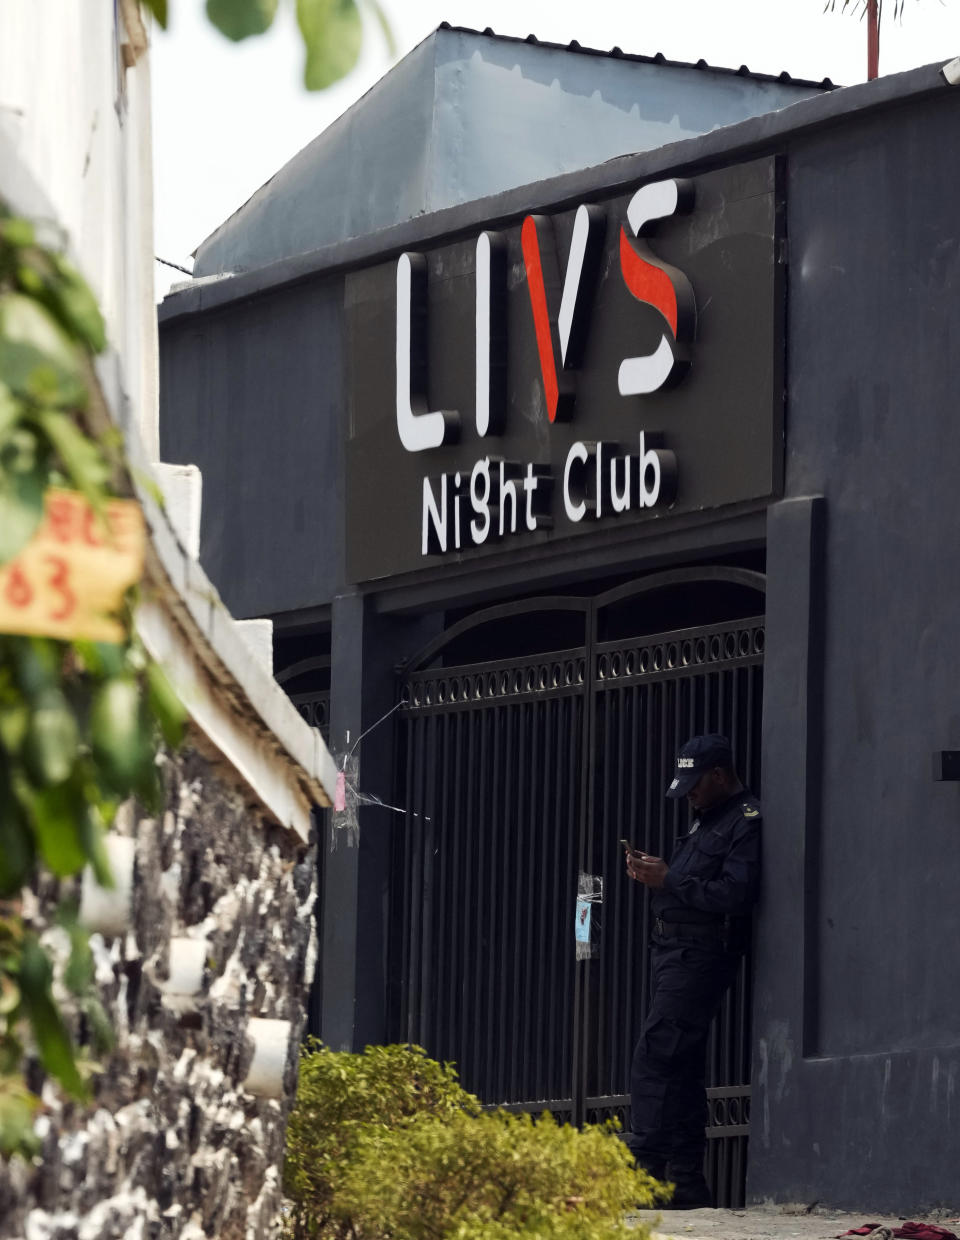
[339, 1097]
[387, 1144]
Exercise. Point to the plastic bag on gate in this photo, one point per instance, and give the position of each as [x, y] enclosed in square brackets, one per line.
[587, 919]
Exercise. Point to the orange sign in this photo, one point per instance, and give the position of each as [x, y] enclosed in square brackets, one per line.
[70, 578]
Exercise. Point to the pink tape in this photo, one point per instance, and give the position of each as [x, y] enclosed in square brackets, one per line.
[340, 794]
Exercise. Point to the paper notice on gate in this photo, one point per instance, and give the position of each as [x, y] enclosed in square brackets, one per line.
[582, 929]
[586, 927]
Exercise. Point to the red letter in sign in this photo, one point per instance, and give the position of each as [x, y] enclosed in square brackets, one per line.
[666, 288]
[561, 333]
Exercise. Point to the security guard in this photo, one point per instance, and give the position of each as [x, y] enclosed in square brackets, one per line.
[701, 904]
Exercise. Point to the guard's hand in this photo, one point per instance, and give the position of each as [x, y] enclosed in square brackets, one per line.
[651, 871]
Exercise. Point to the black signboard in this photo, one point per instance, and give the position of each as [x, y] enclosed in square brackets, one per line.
[619, 362]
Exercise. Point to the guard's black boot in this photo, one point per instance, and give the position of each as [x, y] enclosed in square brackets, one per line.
[691, 1191]
[657, 1167]
[658, 1170]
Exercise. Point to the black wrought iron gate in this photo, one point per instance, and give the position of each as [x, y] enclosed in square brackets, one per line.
[520, 771]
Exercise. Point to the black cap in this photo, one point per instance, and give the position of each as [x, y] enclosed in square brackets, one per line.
[699, 754]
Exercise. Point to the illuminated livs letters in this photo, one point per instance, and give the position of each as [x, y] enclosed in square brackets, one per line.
[658, 284]
[419, 428]
[561, 332]
[491, 335]
[492, 497]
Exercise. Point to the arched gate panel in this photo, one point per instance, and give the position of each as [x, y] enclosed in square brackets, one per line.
[522, 769]
[494, 787]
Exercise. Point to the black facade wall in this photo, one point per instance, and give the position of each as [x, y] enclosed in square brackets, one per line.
[857, 1002]
[858, 1018]
[252, 393]
[357, 869]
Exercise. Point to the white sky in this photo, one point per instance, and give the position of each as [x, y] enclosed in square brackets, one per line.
[227, 116]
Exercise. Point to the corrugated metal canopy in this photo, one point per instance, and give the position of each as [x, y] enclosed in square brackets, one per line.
[468, 114]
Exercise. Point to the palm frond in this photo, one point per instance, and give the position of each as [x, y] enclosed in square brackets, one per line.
[861, 6]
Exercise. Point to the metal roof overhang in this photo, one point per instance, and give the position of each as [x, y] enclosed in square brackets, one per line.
[721, 146]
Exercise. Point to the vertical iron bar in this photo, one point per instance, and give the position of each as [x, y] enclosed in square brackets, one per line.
[453, 848]
[428, 929]
[490, 1001]
[628, 902]
[603, 750]
[616, 952]
[532, 945]
[587, 794]
[513, 919]
[404, 893]
[541, 870]
[416, 886]
[708, 702]
[475, 815]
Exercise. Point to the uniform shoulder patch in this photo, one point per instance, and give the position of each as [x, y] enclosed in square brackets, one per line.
[748, 810]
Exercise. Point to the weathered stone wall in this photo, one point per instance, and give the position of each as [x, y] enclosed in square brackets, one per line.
[173, 1144]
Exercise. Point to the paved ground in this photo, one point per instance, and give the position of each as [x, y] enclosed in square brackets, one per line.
[766, 1223]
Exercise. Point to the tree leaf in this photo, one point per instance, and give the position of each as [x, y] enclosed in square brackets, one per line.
[91, 836]
[238, 19]
[58, 816]
[101, 1031]
[11, 933]
[16, 231]
[36, 661]
[53, 1041]
[102, 659]
[74, 304]
[11, 1054]
[52, 280]
[16, 844]
[80, 455]
[148, 787]
[22, 480]
[333, 34]
[384, 23]
[166, 706]
[10, 411]
[50, 746]
[80, 970]
[121, 743]
[159, 10]
[9, 995]
[17, 1106]
[14, 719]
[147, 482]
[38, 360]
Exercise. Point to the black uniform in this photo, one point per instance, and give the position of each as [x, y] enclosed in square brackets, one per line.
[701, 920]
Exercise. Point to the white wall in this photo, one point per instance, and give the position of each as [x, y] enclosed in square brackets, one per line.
[78, 121]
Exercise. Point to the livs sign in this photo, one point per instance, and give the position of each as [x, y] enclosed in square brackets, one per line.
[602, 365]
[497, 490]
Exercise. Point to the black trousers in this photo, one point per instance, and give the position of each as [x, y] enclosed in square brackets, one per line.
[668, 1101]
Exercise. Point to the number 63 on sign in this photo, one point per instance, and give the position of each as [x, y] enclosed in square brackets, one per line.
[70, 578]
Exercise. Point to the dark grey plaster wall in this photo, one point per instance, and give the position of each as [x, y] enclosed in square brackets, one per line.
[858, 985]
[857, 995]
[357, 985]
[252, 394]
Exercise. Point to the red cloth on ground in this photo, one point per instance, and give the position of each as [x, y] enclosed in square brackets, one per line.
[907, 1231]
